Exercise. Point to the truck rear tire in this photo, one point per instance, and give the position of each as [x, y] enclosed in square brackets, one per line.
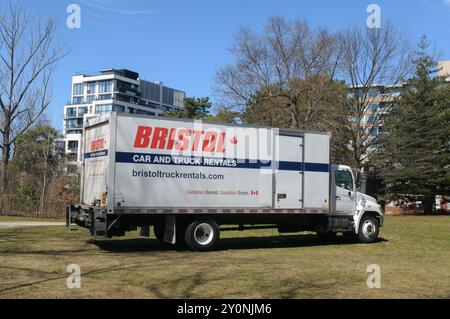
[202, 235]
[368, 229]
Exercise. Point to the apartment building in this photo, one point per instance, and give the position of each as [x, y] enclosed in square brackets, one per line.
[111, 90]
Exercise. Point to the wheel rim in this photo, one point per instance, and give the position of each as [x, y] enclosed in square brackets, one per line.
[203, 234]
[369, 229]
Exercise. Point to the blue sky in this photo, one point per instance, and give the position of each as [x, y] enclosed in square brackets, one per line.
[183, 42]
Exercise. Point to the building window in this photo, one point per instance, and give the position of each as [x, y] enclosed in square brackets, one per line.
[90, 98]
[144, 112]
[178, 100]
[71, 112]
[90, 88]
[123, 98]
[105, 108]
[82, 111]
[394, 91]
[373, 92]
[72, 146]
[118, 108]
[373, 107]
[77, 100]
[104, 97]
[78, 89]
[74, 123]
[105, 86]
[372, 119]
[373, 132]
[153, 105]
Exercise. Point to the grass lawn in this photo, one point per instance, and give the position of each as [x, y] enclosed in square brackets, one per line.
[29, 219]
[413, 253]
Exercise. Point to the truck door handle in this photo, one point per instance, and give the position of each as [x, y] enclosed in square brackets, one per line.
[338, 197]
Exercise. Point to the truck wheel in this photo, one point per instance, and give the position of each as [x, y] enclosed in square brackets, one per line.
[368, 229]
[201, 235]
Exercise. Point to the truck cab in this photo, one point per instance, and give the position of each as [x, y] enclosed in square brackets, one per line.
[352, 211]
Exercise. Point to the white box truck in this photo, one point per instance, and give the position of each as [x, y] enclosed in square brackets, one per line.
[188, 179]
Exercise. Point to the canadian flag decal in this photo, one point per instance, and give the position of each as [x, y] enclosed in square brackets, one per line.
[234, 140]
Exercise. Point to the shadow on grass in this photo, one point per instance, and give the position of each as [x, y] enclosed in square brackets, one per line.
[237, 243]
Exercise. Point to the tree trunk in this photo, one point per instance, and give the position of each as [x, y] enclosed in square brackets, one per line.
[44, 180]
[6, 149]
[44, 185]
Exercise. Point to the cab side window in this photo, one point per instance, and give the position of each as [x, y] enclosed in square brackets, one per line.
[344, 179]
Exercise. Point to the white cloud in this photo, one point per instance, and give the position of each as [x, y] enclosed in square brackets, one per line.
[114, 7]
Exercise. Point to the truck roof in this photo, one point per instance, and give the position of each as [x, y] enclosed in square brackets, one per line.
[95, 121]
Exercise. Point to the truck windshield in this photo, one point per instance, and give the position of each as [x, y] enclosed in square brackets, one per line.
[344, 179]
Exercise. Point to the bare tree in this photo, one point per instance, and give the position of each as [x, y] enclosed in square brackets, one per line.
[285, 77]
[274, 61]
[374, 63]
[28, 58]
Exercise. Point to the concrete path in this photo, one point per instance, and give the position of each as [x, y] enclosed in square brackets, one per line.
[29, 224]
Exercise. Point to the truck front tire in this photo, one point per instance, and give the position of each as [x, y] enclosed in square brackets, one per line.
[368, 229]
[202, 235]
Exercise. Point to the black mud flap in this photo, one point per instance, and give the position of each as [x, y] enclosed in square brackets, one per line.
[170, 230]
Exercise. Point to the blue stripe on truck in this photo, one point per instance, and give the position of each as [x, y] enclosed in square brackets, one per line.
[96, 154]
[146, 158]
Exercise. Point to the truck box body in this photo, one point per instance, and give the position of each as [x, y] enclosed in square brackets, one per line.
[142, 164]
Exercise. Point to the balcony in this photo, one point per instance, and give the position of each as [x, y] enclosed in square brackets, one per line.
[74, 126]
[72, 115]
[78, 102]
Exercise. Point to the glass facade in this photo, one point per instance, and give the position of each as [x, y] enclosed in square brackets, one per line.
[77, 100]
[82, 110]
[104, 97]
[371, 119]
[78, 89]
[372, 107]
[178, 99]
[90, 88]
[104, 108]
[144, 112]
[71, 112]
[374, 92]
[105, 86]
[74, 123]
